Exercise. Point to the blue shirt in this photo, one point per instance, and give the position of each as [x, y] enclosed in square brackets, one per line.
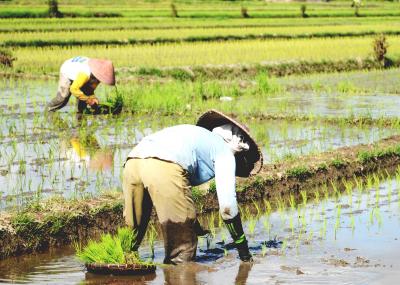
[202, 153]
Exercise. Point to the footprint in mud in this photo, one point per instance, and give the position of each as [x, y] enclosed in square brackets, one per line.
[292, 269]
[362, 262]
[348, 249]
[335, 262]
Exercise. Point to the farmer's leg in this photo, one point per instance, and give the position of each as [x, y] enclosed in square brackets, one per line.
[63, 95]
[170, 191]
[137, 202]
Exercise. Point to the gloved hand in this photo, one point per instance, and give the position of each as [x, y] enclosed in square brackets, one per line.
[235, 228]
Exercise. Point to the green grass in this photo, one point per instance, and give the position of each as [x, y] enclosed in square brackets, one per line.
[371, 155]
[299, 172]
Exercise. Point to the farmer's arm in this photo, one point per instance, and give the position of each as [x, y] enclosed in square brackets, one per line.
[225, 168]
[76, 86]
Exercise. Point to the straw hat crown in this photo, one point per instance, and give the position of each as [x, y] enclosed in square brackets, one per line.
[249, 162]
[103, 70]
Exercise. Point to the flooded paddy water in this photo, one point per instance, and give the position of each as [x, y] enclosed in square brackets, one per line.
[43, 155]
[350, 237]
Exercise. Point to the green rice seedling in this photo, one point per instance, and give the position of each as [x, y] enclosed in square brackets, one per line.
[337, 219]
[310, 236]
[323, 229]
[348, 186]
[220, 221]
[350, 199]
[247, 213]
[284, 246]
[292, 202]
[264, 249]
[303, 194]
[398, 198]
[268, 207]
[303, 222]
[291, 224]
[377, 197]
[252, 226]
[316, 196]
[281, 205]
[127, 237]
[224, 236]
[371, 216]
[336, 192]
[352, 224]
[151, 238]
[281, 208]
[325, 191]
[257, 208]
[369, 182]
[211, 224]
[107, 251]
[358, 182]
[267, 226]
[376, 180]
[390, 190]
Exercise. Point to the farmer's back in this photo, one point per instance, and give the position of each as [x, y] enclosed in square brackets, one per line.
[194, 148]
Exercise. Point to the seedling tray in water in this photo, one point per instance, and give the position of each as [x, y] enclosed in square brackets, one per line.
[120, 269]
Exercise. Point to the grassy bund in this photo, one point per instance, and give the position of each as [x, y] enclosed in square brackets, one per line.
[57, 221]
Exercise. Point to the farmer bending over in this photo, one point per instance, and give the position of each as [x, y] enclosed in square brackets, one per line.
[161, 169]
[80, 76]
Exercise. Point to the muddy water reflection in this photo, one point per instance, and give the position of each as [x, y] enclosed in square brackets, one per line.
[353, 238]
[58, 155]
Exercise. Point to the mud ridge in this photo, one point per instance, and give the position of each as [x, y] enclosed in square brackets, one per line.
[58, 221]
[230, 71]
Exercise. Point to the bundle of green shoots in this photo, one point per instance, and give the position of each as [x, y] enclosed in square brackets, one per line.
[116, 249]
[112, 105]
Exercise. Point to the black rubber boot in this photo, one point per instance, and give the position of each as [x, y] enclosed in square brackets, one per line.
[235, 228]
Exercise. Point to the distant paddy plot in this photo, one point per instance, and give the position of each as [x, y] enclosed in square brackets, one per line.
[207, 53]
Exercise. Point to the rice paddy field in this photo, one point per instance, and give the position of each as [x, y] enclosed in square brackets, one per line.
[307, 78]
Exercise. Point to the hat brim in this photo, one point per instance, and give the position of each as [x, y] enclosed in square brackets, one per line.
[249, 162]
[103, 70]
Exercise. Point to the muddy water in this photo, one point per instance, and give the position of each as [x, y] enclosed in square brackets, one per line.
[362, 82]
[353, 238]
[42, 156]
[48, 156]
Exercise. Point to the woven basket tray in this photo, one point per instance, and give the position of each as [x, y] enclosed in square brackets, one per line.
[120, 269]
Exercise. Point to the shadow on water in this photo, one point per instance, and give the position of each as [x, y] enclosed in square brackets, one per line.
[91, 278]
[221, 249]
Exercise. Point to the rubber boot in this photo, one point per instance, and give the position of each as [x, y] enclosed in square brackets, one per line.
[235, 228]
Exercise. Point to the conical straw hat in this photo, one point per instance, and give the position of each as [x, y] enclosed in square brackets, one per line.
[249, 162]
[103, 70]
